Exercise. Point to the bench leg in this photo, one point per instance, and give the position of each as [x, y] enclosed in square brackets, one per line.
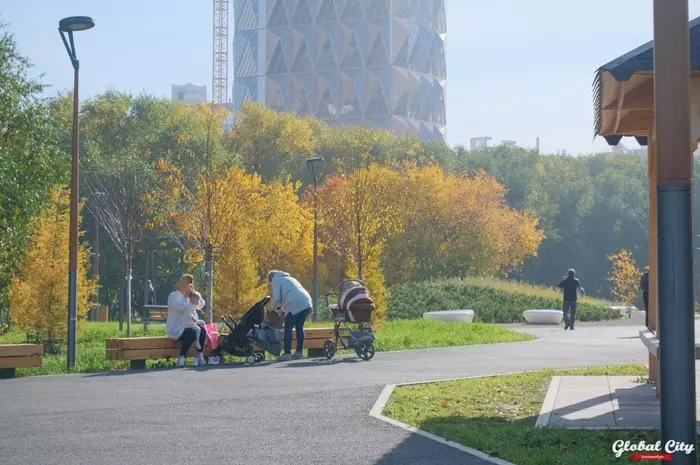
[137, 365]
[316, 353]
[7, 373]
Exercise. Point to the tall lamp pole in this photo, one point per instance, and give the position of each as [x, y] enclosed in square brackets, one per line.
[68, 26]
[310, 164]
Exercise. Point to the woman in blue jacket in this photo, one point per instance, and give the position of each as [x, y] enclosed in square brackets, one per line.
[295, 302]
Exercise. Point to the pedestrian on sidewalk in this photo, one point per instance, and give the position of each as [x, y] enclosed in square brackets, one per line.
[570, 286]
[644, 285]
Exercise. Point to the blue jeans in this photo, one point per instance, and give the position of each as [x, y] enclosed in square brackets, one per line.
[294, 322]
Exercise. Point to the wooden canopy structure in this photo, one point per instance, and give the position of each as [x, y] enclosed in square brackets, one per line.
[623, 98]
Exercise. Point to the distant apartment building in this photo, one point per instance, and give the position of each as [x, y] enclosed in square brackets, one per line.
[189, 93]
[376, 63]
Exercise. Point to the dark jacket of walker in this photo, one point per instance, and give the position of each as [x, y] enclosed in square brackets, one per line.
[570, 285]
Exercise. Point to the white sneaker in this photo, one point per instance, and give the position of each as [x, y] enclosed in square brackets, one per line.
[199, 360]
[181, 362]
[214, 360]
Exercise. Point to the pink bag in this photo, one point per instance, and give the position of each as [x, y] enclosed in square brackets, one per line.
[213, 333]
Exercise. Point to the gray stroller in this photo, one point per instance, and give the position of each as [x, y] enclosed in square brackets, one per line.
[352, 315]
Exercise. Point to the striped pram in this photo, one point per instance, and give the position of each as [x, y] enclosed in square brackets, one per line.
[353, 316]
[354, 305]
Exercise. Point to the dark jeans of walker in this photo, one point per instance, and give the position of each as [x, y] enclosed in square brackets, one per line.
[188, 336]
[569, 314]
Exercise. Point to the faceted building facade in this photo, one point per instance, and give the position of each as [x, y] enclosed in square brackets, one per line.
[376, 63]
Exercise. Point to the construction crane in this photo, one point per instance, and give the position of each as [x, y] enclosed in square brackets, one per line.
[219, 88]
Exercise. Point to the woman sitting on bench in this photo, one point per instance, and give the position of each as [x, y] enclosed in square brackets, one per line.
[180, 309]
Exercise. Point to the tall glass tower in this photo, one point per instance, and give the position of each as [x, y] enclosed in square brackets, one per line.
[377, 63]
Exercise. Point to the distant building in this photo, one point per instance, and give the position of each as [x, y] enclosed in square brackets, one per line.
[621, 149]
[375, 63]
[508, 143]
[476, 143]
[189, 93]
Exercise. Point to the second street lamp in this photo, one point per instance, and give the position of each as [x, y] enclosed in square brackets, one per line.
[67, 26]
[310, 164]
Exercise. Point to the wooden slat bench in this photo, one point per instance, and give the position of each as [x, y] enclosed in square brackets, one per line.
[154, 314]
[136, 350]
[13, 356]
[651, 342]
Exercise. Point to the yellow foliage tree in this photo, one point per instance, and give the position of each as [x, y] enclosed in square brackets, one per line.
[624, 277]
[358, 214]
[285, 238]
[458, 225]
[216, 216]
[39, 292]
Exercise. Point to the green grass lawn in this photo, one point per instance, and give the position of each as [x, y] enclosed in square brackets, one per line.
[497, 415]
[395, 335]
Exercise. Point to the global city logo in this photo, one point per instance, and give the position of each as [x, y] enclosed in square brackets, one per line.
[651, 451]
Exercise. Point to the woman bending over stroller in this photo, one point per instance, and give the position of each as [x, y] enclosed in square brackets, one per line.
[295, 302]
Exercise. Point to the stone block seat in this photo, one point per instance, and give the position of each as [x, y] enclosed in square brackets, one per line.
[456, 316]
[543, 316]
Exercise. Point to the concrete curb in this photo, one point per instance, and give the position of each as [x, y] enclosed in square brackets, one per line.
[378, 407]
[548, 404]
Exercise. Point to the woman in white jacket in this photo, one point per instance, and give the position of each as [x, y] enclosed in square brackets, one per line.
[180, 309]
[296, 303]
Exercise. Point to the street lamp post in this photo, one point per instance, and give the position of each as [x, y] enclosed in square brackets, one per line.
[310, 164]
[67, 26]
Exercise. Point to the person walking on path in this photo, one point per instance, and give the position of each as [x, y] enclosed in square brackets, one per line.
[570, 286]
[644, 285]
[296, 303]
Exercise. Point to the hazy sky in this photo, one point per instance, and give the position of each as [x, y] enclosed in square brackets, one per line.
[515, 69]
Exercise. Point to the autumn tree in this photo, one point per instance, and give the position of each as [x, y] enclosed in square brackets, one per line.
[624, 277]
[456, 225]
[358, 214]
[271, 143]
[214, 220]
[39, 291]
[274, 233]
[31, 162]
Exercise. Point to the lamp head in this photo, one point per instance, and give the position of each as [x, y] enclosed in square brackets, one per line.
[314, 159]
[76, 23]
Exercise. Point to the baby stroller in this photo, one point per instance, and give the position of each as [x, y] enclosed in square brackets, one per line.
[250, 333]
[354, 309]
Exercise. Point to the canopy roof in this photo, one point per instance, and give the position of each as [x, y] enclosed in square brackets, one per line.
[623, 91]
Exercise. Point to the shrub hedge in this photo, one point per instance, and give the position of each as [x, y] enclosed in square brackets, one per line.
[493, 301]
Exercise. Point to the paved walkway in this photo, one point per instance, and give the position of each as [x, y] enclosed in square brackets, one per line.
[309, 412]
[598, 402]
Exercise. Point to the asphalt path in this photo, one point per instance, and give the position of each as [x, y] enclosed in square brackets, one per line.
[301, 412]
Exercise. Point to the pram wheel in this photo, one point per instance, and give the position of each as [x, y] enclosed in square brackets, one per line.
[260, 357]
[329, 349]
[365, 350]
[252, 359]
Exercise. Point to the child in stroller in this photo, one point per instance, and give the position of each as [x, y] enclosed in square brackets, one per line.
[248, 334]
[354, 307]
